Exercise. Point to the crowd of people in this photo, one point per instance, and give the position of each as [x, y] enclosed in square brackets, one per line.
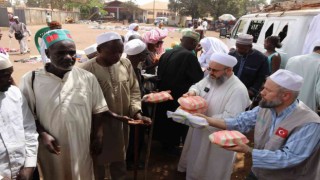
[76, 122]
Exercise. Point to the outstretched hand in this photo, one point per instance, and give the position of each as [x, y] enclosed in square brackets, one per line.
[190, 93]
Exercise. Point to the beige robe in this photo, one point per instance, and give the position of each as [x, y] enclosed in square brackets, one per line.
[121, 91]
[64, 108]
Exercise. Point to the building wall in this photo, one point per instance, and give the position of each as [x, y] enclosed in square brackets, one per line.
[28, 15]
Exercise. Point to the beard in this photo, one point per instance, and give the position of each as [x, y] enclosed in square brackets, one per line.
[220, 80]
[269, 104]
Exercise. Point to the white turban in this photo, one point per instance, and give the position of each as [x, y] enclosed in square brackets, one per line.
[91, 49]
[134, 47]
[4, 61]
[224, 59]
[244, 39]
[106, 37]
[287, 79]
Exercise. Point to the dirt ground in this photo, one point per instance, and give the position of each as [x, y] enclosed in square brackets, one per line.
[161, 166]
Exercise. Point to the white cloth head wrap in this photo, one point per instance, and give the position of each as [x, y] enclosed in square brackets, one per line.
[224, 59]
[287, 79]
[211, 45]
[134, 47]
[245, 39]
[106, 37]
[91, 49]
[4, 61]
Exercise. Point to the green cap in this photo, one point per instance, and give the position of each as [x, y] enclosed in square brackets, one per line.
[191, 34]
[56, 35]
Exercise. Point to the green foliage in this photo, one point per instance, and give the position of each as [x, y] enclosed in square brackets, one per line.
[131, 6]
[199, 8]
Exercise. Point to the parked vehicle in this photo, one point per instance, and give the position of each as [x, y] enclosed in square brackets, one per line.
[161, 19]
[290, 26]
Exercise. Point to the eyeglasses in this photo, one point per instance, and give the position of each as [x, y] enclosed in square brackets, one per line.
[216, 70]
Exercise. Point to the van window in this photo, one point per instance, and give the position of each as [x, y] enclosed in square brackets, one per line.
[283, 33]
[269, 31]
[255, 29]
[238, 29]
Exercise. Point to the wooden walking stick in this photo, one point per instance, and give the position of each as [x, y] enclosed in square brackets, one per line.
[150, 141]
[135, 152]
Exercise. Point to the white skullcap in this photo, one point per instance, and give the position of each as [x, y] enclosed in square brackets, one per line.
[316, 44]
[287, 79]
[244, 39]
[15, 17]
[4, 61]
[91, 49]
[132, 26]
[224, 59]
[106, 37]
[134, 47]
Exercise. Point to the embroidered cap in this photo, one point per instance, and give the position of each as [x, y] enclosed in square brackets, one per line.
[244, 39]
[287, 79]
[56, 35]
[134, 47]
[191, 34]
[224, 59]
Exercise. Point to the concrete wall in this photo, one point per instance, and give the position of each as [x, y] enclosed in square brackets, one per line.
[33, 16]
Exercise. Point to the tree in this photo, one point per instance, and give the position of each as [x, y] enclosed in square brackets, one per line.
[186, 7]
[198, 8]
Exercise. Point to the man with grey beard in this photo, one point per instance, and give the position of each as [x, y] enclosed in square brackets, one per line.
[226, 96]
[286, 132]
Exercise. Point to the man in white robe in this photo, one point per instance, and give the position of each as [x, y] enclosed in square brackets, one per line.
[69, 107]
[19, 138]
[226, 96]
[22, 28]
[308, 66]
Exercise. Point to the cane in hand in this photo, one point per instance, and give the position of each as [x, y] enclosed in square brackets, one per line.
[150, 140]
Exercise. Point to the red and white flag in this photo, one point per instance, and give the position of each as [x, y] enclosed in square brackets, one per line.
[282, 132]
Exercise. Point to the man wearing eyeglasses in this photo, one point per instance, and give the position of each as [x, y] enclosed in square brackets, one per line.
[226, 96]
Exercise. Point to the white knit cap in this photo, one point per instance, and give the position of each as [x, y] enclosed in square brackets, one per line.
[134, 47]
[287, 79]
[4, 61]
[244, 39]
[91, 49]
[316, 44]
[106, 37]
[224, 59]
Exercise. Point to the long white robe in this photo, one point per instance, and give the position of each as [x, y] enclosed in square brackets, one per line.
[307, 66]
[64, 108]
[201, 159]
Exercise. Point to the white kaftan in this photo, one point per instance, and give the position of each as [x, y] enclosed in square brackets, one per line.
[307, 66]
[18, 135]
[64, 108]
[200, 158]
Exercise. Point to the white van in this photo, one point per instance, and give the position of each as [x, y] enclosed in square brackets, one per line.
[290, 26]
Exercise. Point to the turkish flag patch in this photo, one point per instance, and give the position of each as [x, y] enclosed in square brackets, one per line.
[282, 132]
